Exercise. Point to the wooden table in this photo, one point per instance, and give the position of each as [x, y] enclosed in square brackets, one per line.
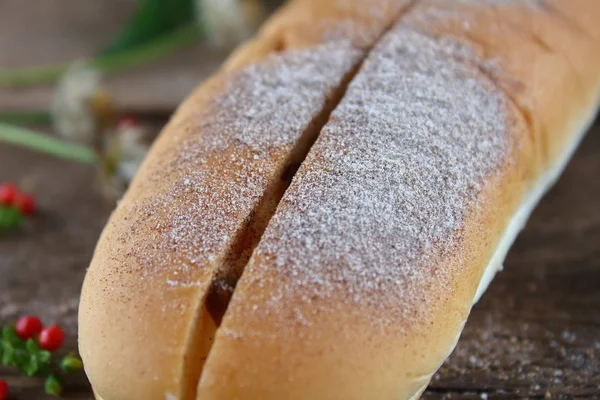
[534, 334]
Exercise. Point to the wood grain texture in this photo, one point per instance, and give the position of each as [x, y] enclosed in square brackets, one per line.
[534, 334]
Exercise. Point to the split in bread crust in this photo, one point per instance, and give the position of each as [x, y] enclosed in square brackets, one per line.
[197, 195]
[372, 244]
[367, 270]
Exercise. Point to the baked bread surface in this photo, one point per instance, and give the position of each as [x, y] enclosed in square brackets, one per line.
[205, 187]
[369, 264]
[366, 273]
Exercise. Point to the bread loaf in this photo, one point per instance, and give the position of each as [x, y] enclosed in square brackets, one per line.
[423, 133]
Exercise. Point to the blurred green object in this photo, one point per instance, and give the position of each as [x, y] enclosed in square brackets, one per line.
[22, 77]
[26, 117]
[157, 28]
[21, 137]
[10, 218]
[152, 20]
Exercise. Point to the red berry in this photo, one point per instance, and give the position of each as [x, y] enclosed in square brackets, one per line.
[51, 338]
[25, 203]
[3, 389]
[28, 327]
[127, 121]
[8, 192]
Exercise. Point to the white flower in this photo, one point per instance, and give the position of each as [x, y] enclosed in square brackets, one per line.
[132, 150]
[80, 106]
[228, 22]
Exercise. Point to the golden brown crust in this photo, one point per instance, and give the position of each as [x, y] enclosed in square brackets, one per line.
[143, 329]
[555, 61]
[336, 345]
[304, 23]
[580, 14]
[144, 326]
[305, 320]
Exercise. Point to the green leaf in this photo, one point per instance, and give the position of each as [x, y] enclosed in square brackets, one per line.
[153, 19]
[71, 363]
[32, 367]
[32, 346]
[3, 218]
[44, 357]
[9, 335]
[21, 359]
[12, 218]
[8, 355]
[52, 385]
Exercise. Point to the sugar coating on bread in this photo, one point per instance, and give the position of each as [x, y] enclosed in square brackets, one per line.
[366, 249]
[367, 271]
[382, 195]
[551, 47]
[241, 134]
[268, 105]
[195, 192]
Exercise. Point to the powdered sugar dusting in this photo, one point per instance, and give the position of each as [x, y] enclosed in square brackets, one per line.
[382, 196]
[269, 105]
[469, 13]
[230, 153]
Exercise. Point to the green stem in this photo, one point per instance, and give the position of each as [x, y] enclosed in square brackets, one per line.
[22, 77]
[46, 144]
[26, 117]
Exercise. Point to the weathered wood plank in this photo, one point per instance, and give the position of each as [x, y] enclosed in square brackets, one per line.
[534, 334]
